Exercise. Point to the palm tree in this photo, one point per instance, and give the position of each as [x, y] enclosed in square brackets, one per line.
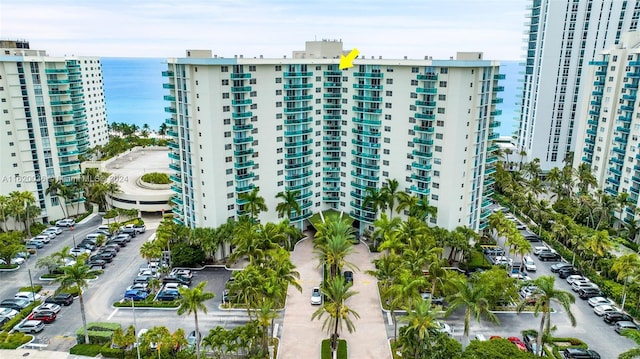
[622, 201]
[374, 198]
[111, 188]
[150, 250]
[473, 299]
[507, 152]
[333, 253]
[336, 292]
[390, 194]
[56, 189]
[76, 277]
[522, 154]
[626, 266]
[289, 203]
[546, 293]
[253, 203]
[634, 352]
[598, 244]
[191, 301]
[404, 290]
[421, 323]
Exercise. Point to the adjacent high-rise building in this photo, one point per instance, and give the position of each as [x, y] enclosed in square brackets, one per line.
[52, 113]
[303, 125]
[563, 36]
[608, 139]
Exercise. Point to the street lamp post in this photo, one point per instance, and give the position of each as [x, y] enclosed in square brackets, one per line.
[26, 210]
[135, 327]
[74, 241]
[33, 292]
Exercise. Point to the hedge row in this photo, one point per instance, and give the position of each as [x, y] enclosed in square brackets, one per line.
[20, 316]
[13, 340]
[92, 350]
[36, 288]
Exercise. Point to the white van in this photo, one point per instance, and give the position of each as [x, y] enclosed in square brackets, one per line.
[529, 264]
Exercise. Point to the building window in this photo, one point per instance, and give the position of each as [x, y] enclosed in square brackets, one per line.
[278, 68]
[226, 108]
[228, 159]
[443, 83]
[224, 68]
[387, 105]
[225, 82]
[444, 70]
[442, 97]
[278, 104]
[440, 109]
[389, 81]
[386, 151]
[278, 80]
[414, 82]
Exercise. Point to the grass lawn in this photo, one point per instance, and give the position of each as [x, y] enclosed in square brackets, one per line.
[329, 214]
[326, 349]
[478, 260]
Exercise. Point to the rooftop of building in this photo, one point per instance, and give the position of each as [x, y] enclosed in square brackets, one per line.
[129, 167]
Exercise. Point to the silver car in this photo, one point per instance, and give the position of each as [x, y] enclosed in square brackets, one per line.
[31, 326]
[316, 296]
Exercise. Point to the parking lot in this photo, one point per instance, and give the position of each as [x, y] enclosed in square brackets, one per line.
[110, 287]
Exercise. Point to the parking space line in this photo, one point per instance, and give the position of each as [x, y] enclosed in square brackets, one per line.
[112, 314]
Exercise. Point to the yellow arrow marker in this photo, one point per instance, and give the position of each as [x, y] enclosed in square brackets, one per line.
[347, 61]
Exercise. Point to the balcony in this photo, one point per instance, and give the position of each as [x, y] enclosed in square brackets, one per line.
[66, 143]
[240, 88]
[422, 154]
[56, 71]
[242, 75]
[176, 179]
[489, 171]
[629, 97]
[431, 90]
[238, 115]
[613, 181]
[174, 156]
[367, 110]
[293, 166]
[297, 121]
[492, 159]
[245, 164]
[170, 110]
[499, 76]
[247, 127]
[417, 177]
[64, 133]
[297, 154]
[498, 89]
[169, 86]
[422, 191]
[299, 98]
[615, 171]
[427, 77]
[373, 167]
[172, 133]
[298, 74]
[239, 140]
[423, 129]
[69, 163]
[175, 167]
[364, 176]
[298, 109]
[245, 152]
[367, 98]
[176, 200]
[297, 86]
[496, 113]
[426, 103]
[375, 122]
[368, 74]
[243, 189]
[367, 87]
[300, 132]
[244, 176]
[298, 143]
[364, 154]
[496, 101]
[167, 73]
[619, 150]
[298, 176]
[332, 95]
[423, 141]
[420, 166]
[241, 102]
[365, 144]
[68, 153]
[70, 172]
[331, 198]
[424, 116]
[299, 186]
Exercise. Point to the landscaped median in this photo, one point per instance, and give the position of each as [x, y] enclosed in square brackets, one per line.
[147, 303]
[325, 351]
[555, 346]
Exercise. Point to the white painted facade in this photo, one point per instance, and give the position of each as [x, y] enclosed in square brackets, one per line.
[562, 37]
[608, 139]
[330, 134]
[44, 125]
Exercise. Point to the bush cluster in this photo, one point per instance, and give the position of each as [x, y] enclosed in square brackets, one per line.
[326, 349]
[20, 316]
[156, 178]
[13, 340]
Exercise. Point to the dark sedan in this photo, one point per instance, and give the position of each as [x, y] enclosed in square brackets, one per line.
[60, 299]
[587, 293]
[565, 272]
[614, 317]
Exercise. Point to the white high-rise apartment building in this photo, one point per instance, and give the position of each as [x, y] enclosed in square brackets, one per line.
[52, 112]
[608, 139]
[301, 124]
[563, 36]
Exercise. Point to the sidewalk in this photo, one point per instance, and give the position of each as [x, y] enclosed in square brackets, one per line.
[302, 337]
[37, 354]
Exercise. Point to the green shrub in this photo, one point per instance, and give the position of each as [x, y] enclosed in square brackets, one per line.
[13, 340]
[85, 214]
[95, 336]
[8, 266]
[89, 350]
[103, 326]
[50, 276]
[71, 290]
[156, 178]
[326, 349]
[36, 288]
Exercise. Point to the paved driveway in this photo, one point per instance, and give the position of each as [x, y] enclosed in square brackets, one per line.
[302, 337]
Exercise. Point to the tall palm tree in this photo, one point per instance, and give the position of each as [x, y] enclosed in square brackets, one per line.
[507, 152]
[191, 301]
[390, 193]
[422, 322]
[111, 188]
[289, 203]
[634, 352]
[473, 299]
[76, 277]
[522, 154]
[626, 266]
[338, 313]
[598, 244]
[150, 250]
[546, 293]
[404, 290]
[384, 226]
[374, 198]
[55, 189]
[254, 204]
[622, 201]
[333, 253]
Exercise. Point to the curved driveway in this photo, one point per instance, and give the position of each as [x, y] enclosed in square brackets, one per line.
[302, 337]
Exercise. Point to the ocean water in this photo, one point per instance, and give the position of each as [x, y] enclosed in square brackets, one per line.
[133, 90]
[134, 93]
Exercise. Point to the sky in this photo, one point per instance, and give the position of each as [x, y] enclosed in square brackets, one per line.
[273, 28]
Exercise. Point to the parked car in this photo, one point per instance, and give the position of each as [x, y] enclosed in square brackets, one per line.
[87, 245]
[95, 261]
[14, 303]
[587, 293]
[31, 297]
[30, 326]
[558, 266]
[31, 248]
[565, 272]
[79, 251]
[538, 249]
[45, 316]
[139, 286]
[622, 325]
[174, 286]
[596, 301]
[17, 260]
[192, 338]
[54, 229]
[47, 307]
[502, 260]
[614, 317]
[104, 227]
[107, 254]
[531, 344]
[176, 279]
[113, 246]
[581, 284]
[580, 353]
[444, 328]
[573, 278]
[136, 294]
[167, 296]
[518, 343]
[434, 300]
[604, 309]
[8, 313]
[67, 222]
[493, 251]
[133, 229]
[65, 299]
[51, 233]
[348, 276]
[549, 257]
[316, 296]
[35, 243]
[182, 272]
[529, 264]
[120, 241]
